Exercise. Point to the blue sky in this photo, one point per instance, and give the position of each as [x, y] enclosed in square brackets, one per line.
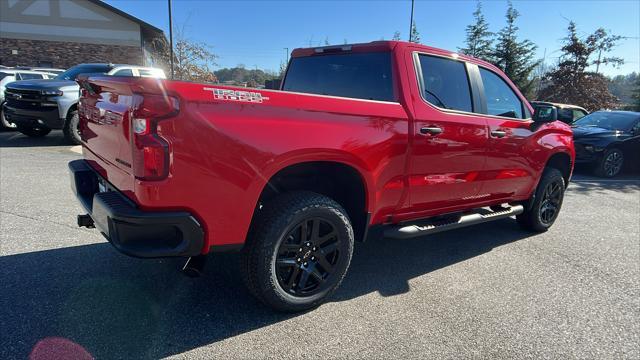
[255, 33]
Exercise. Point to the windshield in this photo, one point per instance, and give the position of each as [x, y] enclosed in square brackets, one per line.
[609, 120]
[73, 72]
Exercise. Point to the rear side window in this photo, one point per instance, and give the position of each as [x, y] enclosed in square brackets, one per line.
[3, 75]
[445, 83]
[354, 75]
[24, 76]
[501, 100]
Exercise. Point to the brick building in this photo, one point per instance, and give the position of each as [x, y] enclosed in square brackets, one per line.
[63, 33]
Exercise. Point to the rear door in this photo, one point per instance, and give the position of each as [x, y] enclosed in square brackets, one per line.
[508, 172]
[449, 139]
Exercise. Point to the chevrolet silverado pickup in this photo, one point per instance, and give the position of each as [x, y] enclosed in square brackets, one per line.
[384, 139]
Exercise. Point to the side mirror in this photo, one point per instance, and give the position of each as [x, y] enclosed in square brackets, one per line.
[545, 114]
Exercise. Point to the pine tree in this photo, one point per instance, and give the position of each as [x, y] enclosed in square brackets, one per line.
[479, 42]
[415, 35]
[515, 58]
[396, 36]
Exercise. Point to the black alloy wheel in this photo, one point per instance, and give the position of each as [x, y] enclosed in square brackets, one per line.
[298, 251]
[543, 208]
[612, 162]
[307, 256]
[551, 201]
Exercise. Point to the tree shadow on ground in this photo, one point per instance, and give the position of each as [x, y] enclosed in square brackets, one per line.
[113, 306]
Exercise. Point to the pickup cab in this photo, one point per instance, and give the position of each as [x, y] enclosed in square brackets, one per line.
[384, 139]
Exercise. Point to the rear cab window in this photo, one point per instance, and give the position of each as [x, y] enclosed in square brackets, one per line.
[353, 75]
[445, 83]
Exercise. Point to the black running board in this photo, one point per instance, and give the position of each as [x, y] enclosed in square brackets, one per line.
[425, 227]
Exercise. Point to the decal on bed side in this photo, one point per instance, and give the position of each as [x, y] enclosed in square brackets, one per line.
[237, 95]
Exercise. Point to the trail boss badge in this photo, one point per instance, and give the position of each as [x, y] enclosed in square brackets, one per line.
[237, 95]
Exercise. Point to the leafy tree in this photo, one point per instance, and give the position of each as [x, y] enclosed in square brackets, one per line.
[192, 61]
[282, 70]
[572, 82]
[240, 75]
[479, 42]
[415, 35]
[623, 86]
[515, 58]
[396, 36]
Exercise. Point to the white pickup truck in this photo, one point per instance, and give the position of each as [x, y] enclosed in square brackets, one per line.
[39, 106]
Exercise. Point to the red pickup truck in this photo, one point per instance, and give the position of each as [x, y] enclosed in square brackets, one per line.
[386, 138]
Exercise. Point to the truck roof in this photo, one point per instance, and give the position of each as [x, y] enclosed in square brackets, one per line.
[385, 45]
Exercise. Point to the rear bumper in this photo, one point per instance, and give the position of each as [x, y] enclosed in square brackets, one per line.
[46, 117]
[134, 232]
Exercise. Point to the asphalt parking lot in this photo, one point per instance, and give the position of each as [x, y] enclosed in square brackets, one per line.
[490, 291]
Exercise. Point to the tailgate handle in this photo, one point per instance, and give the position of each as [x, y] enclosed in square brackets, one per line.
[430, 130]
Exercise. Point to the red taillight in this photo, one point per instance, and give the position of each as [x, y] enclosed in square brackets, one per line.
[150, 150]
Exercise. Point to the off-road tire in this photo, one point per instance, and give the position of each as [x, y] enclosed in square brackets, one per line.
[536, 217]
[70, 130]
[273, 225]
[34, 132]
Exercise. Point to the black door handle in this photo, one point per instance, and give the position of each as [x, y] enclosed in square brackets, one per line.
[498, 133]
[430, 130]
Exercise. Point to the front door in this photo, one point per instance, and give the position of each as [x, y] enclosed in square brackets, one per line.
[449, 140]
[508, 172]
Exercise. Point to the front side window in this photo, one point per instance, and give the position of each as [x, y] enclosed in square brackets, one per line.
[501, 99]
[445, 83]
[352, 75]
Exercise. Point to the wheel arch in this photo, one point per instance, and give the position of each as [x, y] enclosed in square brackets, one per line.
[562, 162]
[71, 108]
[343, 182]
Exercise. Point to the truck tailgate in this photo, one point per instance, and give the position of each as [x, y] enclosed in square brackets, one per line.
[107, 108]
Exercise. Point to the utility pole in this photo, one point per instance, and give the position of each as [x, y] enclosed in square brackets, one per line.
[286, 55]
[411, 22]
[170, 40]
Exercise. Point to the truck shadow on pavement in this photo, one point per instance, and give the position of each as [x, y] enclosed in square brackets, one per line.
[91, 298]
[15, 139]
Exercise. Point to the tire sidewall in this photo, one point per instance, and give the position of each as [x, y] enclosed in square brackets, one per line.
[345, 233]
[71, 128]
[602, 171]
[4, 123]
[548, 179]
